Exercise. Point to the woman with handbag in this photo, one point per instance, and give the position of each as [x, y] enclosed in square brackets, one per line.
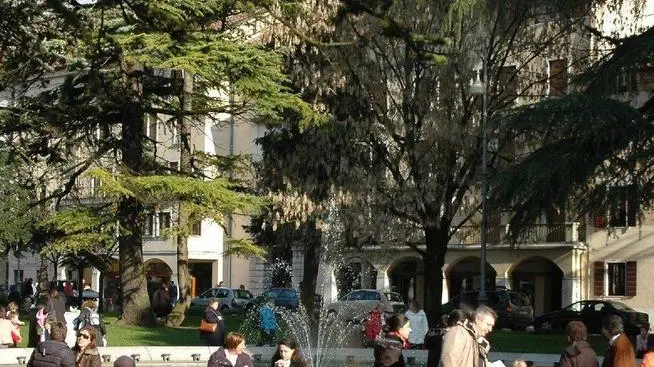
[212, 326]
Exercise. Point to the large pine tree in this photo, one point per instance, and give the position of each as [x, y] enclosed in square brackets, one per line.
[83, 79]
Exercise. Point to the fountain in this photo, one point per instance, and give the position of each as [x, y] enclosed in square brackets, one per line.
[320, 332]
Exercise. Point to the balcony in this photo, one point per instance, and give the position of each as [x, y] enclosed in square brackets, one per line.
[537, 233]
[84, 195]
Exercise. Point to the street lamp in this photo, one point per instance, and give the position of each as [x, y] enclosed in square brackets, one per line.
[480, 88]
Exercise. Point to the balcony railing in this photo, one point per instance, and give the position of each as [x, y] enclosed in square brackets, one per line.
[536, 233]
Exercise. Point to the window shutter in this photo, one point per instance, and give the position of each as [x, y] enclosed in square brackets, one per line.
[598, 277]
[631, 278]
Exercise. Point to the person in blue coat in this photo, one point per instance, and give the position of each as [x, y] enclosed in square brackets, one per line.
[268, 323]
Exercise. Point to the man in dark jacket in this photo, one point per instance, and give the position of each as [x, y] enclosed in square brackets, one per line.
[54, 352]
[578, 353]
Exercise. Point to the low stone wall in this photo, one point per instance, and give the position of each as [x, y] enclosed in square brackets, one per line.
[183, 356]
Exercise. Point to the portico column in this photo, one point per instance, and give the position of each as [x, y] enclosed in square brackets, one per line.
[95, 279]
[383, 282]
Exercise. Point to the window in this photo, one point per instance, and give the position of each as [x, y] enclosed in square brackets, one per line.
[222, 293]
[164, 221]
[18, 276]
[371, 296]
[355, 296]
[196, 228]
[615, 278]
[150, 127]
[208, 293]
[575, 307]
[174, 132]
[174, 165]
[507, 85]
[148, 228]
[393, 297]
[623, 206]
[558, 77]
[96, 183]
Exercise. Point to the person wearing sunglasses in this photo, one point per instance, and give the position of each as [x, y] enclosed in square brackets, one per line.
[86, 350]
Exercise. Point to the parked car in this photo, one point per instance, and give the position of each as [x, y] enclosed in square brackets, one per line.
[357, 304]
[591, 312]
[282, 297]
[514, 310]
[231, 300]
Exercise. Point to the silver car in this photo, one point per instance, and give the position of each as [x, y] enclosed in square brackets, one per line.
[231, 300]
[357, 304]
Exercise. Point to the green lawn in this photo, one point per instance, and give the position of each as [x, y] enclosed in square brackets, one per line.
[187, 334]
[522, 342]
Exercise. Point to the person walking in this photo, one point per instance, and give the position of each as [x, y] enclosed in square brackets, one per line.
[173, 294]
[434, 339]
[620, 352]
[419, 324]
[86, 349]
[268, 323]
[232, 355]
[53, 352]
[642, 342]
[388, 349]
[465, 344]
[89, 317]
[161, 305]
[287, 354]
[213, 316]
[57, 305]
[578, 353]
[6, 329]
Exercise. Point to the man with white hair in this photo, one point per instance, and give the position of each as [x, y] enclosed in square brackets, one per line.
[465, 345]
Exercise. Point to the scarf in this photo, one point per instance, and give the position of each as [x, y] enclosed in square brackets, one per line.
[482, 343]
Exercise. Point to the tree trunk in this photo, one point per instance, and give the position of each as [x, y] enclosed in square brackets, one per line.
[436, 244]
[135, 301]
[312, 237]
[42, 278]
[176, 317]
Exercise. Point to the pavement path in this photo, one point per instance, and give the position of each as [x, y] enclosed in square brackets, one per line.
[183, 356]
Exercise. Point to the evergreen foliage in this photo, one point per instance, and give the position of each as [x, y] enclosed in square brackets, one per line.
[85, 80]
[584, 144]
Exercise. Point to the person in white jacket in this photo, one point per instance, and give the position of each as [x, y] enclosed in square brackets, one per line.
[419, 324]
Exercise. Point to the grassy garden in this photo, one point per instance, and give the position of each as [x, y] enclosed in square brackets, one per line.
[188, 335]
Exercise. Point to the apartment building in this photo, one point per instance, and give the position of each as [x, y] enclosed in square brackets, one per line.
[207, 263]
[557, 262]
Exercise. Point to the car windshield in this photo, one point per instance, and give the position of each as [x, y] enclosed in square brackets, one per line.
[574, 307]
[519, 299]
[283, 293]
[393, 297]
[241, 293]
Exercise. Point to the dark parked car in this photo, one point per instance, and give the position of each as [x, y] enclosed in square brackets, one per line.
[282, 297]
[513, 308]
[591, 313]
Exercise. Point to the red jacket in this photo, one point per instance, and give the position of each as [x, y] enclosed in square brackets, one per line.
[373, 325]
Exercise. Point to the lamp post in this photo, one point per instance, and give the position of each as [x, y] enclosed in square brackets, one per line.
[479, 88]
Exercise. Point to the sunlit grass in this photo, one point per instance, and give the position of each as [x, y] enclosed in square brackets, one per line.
[188, 335]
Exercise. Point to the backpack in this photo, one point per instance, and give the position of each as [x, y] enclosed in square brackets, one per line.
[92, 318]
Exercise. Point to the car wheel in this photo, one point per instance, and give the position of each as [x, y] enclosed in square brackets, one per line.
[224, 309]
[546, 325]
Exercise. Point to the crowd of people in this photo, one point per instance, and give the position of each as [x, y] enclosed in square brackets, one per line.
[458, 341]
